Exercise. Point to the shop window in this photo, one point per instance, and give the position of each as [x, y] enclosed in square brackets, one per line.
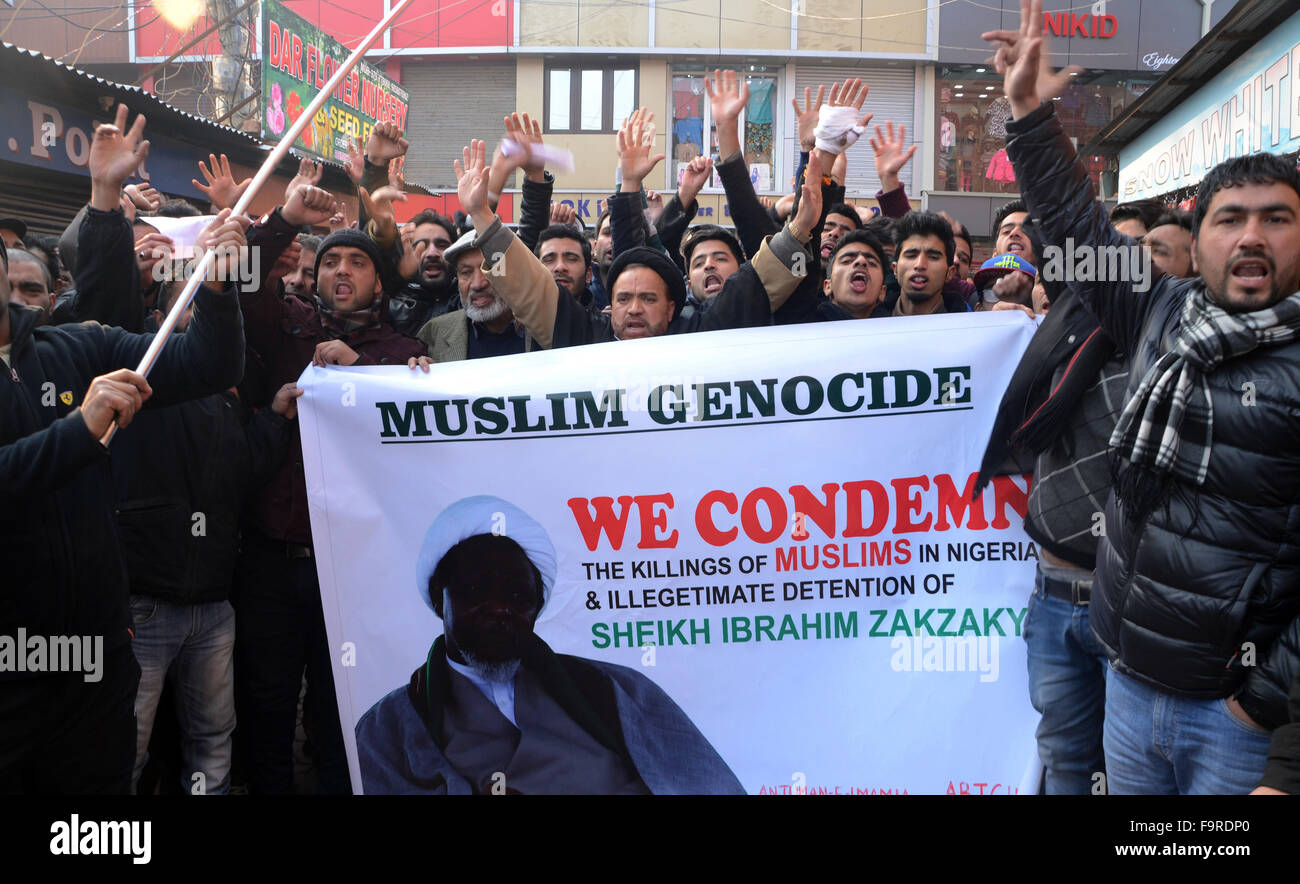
[972, 115]
[692, 119]
[589, 99]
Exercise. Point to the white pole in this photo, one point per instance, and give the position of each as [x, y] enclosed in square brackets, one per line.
[182, 303]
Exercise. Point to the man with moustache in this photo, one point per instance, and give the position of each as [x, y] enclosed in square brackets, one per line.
[483, 327]
[565, 252]
[279, 619]
[492, 709]
[841, 219]
[302, 281]
[1196, 601]
[432, 292]
[646, 287]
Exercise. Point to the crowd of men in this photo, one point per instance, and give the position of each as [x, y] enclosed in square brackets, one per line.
[1161, 648]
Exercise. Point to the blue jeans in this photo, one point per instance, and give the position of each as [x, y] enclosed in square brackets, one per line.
[1067, 685]
[196, 645]
[1162, 744]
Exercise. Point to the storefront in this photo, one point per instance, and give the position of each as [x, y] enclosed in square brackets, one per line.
[1124, 47]
[48, 123]
[1237, 93]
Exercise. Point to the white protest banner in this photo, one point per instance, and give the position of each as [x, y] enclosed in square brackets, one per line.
[773, 526]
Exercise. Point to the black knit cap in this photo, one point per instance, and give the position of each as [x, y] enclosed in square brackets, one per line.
[657, 261]
[350, 238]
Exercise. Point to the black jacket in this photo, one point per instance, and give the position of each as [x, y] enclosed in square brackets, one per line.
[414, 305]
[63, 569]
[181, 474]
[1200, 597]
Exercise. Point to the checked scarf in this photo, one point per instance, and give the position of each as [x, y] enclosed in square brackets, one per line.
[1167, 427]
[342, 325]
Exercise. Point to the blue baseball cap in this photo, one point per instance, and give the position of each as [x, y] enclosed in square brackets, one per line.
[1000, 265]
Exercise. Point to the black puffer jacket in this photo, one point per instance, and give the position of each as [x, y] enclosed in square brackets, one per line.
[63, 571]
[1200, 597]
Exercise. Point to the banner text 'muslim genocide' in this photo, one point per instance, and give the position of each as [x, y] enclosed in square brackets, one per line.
[772, 530]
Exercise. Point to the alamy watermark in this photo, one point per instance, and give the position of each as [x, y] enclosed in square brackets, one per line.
[243, 266]
[54, 653]
[1088, 263]
[78, 837]
[926, 653]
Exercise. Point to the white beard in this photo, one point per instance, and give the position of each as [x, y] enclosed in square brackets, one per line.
[499, 671]
[495, 310]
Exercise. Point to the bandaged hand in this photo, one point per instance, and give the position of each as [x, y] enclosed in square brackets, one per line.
[837, 128]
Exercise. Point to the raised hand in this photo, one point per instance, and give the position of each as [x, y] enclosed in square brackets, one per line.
[694, 177]
[1023, 61]
[806, 117]
[115, 153]
[309, 175]
[144, 197]
[728, 92]
[310, 206]
[853, 93]
[562, 214]
[379, 206]
[385, 143]
[891, 156]
[635, 145]
[472, 182]
[810, 203]
[356, 164]
[524, 131]
[221, 189]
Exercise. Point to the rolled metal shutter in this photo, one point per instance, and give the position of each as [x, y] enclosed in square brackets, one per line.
[451, 103]
[46, 201]
[892, 97]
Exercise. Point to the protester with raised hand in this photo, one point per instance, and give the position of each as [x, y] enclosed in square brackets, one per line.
[1204, 624]
[221, 189]
[648, 301]
[891, 155]
[524, 133]
[843, 105]
[629, 227]
[74, 732]
[278, 613]
[728, 93]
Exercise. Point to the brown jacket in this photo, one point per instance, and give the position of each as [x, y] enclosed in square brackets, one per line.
[748, 297]
[447, 337]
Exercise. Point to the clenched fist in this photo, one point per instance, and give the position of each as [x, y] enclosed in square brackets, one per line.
[113, 398]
